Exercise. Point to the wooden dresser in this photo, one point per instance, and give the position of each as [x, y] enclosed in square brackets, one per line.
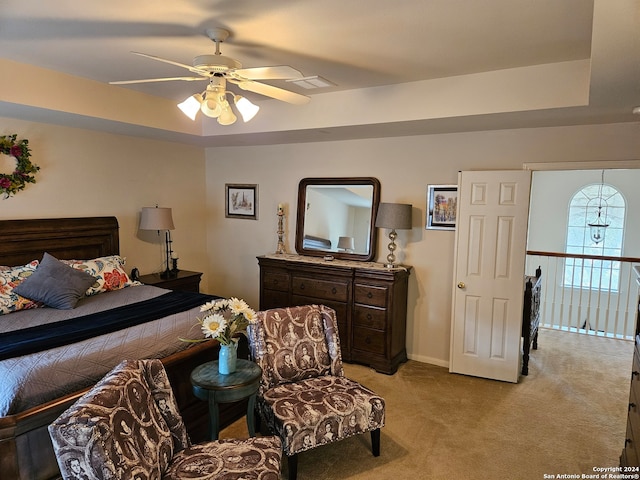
[631, 454]
[370, 302]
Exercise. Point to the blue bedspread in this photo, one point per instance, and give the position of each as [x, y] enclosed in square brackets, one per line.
[43, 337]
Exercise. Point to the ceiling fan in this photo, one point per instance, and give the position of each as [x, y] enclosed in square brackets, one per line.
[219, 70]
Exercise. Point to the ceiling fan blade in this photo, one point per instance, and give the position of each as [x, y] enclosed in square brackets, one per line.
[171, 62]
[279, 72]
[273, 92]
[150, 80]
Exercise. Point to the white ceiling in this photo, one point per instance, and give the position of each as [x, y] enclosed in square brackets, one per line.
[354, 44]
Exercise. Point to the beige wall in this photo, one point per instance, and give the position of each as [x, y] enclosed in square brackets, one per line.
[89, 173]
[86, 173]
[404, 166]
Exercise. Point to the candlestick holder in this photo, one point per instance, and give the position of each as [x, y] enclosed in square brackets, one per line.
[280, 248]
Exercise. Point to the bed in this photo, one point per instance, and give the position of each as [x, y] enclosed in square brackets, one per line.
[530, 316]
[38, 385]
[316, 243]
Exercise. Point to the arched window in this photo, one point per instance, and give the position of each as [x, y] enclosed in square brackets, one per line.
[583, 208]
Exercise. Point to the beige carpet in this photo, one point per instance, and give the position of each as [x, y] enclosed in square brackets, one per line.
[567, 417]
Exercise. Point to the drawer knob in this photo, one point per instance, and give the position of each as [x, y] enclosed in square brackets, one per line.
[302, 286]
[632, 405]
[369, 316]
[369, 295]
[334, 291]
[634, 374]
[367, 340]
[627, 441]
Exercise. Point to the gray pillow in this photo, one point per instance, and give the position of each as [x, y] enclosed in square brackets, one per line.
[55, 284]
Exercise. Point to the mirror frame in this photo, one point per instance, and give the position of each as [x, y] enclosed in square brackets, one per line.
[302, 201]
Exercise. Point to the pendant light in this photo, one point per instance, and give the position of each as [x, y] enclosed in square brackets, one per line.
[599, 226]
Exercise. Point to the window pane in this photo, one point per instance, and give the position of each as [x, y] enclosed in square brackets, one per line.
[615, 217]
[575, 237]
[616, 201]
[577, 217]
[583, 209]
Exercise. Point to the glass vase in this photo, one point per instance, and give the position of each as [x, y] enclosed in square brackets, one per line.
[227, 358]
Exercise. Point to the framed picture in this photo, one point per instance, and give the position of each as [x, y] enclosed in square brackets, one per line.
[241, 201]
[442, 205]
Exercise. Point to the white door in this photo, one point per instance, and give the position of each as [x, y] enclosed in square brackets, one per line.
[491, 236]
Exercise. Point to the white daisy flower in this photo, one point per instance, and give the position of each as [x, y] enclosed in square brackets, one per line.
[251, 315]
[220, 304]
[237, 306]
[207, 306]
[213, 325]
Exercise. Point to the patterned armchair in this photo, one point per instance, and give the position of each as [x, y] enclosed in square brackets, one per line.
[304, 396]
[128, 427]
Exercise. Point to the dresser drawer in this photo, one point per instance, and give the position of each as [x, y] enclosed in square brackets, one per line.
[370, 317]
[368, 340]
[320, 289]
[339, 307]
[276, 281]
[371, 295]
[273, 299]
[634, 406]
[635, 375]
[630, 448]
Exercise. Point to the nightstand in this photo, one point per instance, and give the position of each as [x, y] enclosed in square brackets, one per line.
[184, 280]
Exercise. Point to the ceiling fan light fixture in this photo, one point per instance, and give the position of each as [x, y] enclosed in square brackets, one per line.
[247, 109]
[219, 69]
[227, 117]
[211, 108]
[191, 105]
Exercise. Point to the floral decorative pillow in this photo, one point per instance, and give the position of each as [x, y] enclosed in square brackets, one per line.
[10, 278]
[108, 270]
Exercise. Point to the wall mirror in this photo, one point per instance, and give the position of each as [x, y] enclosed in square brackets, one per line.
[336, 217]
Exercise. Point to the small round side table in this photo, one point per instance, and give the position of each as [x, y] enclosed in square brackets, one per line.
[214, 387]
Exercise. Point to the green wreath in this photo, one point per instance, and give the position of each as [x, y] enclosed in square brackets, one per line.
[12, 183]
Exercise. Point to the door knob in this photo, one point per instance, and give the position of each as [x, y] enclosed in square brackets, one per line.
[461, 285]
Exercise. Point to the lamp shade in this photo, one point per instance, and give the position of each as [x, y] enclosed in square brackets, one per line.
[211, 107]
[191, 106]
[346, 243]
[156, 218]
[247, 109]
[394, 215]
[227, 117]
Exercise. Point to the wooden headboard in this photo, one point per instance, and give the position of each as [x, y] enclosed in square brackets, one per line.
[65, 238]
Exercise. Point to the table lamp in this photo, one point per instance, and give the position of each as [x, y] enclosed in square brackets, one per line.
[346, 244]
[158, 218]
[396, 216]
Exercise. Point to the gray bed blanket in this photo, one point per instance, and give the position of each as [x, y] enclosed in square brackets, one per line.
[30, 380]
